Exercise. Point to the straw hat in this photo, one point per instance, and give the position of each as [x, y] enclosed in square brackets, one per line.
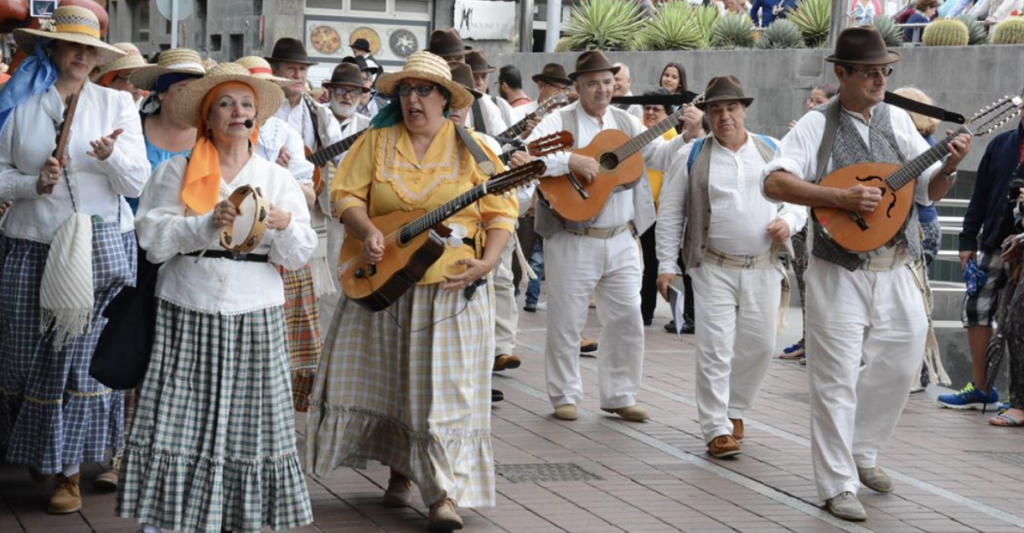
[268, 95]
[132, 60]
[426, 66]
[72, 24]
[260, 68]
[178, 60]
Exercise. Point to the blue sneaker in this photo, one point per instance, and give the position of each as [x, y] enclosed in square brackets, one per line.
[970, 398]
[795, 351]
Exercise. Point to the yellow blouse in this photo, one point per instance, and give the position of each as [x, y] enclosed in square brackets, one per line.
[655, 177]
[382, 173]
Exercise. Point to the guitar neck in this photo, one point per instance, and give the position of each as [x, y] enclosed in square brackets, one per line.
[910, 171]
[325, 154]
[517, 129]
[441, 213]
[637, 143]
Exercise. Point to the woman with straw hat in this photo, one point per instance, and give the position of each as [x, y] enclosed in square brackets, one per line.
[214, 420]
[67, 246]
[386, 389]
[116, 74]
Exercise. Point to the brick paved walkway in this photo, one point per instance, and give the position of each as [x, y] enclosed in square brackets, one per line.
[953, 472]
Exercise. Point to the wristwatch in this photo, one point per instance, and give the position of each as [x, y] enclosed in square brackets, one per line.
[948, 177]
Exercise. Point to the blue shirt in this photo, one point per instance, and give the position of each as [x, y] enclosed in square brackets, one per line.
[916, 18]
[989, 204]
[156, 155]
[766, 7]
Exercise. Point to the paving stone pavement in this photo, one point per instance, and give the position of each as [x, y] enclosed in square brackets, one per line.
[954, 473]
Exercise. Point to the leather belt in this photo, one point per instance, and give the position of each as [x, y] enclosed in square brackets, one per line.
[602, 233]
[221, 254]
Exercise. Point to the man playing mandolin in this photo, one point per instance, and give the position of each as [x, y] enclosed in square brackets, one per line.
[866, 316]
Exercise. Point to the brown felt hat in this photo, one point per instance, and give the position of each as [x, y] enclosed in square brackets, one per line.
[552, 73]
[862, 45]
[346, 74]
[463, 75]
[446, 43]
[289, 50]
[478, 62]
[723, 89]
[592, 61]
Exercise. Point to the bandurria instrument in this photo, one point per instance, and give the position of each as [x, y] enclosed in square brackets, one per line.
[543, 108]
[259, 221]
[321, 157]
[547, 144]
[869, 234]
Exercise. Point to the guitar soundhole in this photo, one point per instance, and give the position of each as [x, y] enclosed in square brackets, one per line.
[609, 161]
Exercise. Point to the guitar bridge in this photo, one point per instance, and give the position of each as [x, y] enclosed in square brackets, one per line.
[861, 223]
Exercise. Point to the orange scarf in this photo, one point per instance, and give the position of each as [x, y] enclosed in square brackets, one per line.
[201, 188]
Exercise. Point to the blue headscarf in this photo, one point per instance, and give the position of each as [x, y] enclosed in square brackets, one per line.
[35, 75]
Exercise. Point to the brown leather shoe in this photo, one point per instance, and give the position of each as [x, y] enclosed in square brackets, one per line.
[724, 446]
[737, 428]
[588, 345]
[505, 360]
[399, 491]
[67, 498]
[443, 517]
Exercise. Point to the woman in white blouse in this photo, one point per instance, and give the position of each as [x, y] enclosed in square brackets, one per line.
[67, 247]
[214, 418]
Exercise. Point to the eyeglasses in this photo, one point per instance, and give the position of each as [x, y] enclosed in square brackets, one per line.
[876, 73]
[654, 109]
[421, 90]
[351, 93]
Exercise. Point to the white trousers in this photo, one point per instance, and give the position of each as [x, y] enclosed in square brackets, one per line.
[578, 268]
[736, 324]
[328, 303]
[506, 314]
[865, 337]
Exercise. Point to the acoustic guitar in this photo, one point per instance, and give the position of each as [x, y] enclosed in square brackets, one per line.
[620, 162]
[413, 242]
[548, 143]
[321, 157]
[870, 234]
[543, 109]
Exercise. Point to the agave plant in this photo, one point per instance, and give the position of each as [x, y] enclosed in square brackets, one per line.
[976, 33]
[674, 27]
[603, 25]
[733, 30]
[891, 33]
[706, 17]
[813, 17]
[780, 34]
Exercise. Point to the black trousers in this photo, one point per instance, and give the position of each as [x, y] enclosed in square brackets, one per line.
[649, 282]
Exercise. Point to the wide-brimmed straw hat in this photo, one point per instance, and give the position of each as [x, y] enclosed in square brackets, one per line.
[462, 73]
[592, 61]
[724, 89]
[552, 73]
[176, 61]
[260, 68]
[269, 95]
[72, 24]
[427, 66]
[862, 45]
[131, 60]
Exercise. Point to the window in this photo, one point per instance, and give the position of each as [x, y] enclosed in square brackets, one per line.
[215, 43]
[369, 5]
[139, 12]
[412, 6]
[237, 42]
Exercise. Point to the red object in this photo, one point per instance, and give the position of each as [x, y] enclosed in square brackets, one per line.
[14, 14]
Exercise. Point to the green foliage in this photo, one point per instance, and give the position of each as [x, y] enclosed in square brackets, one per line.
[563, 44]
[780, 34]
[733, 30]
[706, 17]
[674, 26]
[891, 33]
[946, 33]
[813, 17]
[608, 25]
[975, 29]
[1009, 31]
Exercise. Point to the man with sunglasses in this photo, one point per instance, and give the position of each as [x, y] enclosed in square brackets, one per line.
[866, 322]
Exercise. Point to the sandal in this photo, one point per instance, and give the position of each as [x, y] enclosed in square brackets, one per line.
[1005, 421]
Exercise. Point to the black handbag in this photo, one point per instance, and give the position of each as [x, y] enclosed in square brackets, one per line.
[126, 342]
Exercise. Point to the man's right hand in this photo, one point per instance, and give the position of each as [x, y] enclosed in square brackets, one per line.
[860, 199]
[966, 255]
[664, 282]
[584, 167]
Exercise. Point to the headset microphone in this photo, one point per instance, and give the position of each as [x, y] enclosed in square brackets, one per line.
[249, 123]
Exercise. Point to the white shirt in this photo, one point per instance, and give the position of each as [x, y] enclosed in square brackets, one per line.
[221, 286]
[492, 117]
[636, 110]
[997, 9]
[739, 214]
[29, 139]
[619, 208]
[276, 134]
[298, 118]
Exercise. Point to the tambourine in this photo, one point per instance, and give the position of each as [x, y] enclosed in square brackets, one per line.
[253, 223]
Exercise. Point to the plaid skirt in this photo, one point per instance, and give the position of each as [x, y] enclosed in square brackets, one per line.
[416, 398]
[52, 412]
[212, 446]
[302, 315]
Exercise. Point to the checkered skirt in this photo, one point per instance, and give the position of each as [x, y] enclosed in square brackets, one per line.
[52, 412]
[415, 397]
[212, 446]
[302, 316]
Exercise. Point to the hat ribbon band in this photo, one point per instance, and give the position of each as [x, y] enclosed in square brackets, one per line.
[260, 70]
[78, 28]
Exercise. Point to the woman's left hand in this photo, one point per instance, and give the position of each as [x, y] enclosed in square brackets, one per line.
[475, 269]
[102, 148]
[278, 219]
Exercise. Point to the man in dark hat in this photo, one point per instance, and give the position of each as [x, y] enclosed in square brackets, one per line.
[448, 44]
[314, 121]
[599, 256]
[731, 250]
[481, 71]
[866, 316]
[361, 48]
[371, 101]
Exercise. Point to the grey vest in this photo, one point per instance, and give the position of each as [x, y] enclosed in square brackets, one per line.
[697, 212]
[849, 149]
[547, 223]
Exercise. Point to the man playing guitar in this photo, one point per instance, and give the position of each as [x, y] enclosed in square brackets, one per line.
[866, 317]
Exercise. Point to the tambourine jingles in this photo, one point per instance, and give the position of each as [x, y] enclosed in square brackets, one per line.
[259, 223]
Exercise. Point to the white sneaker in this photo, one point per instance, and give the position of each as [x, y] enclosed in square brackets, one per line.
[542, 306]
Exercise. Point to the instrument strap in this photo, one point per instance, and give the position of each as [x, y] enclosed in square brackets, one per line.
[478, 119]
[828, 139]
[482, 161]
[914, 106]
